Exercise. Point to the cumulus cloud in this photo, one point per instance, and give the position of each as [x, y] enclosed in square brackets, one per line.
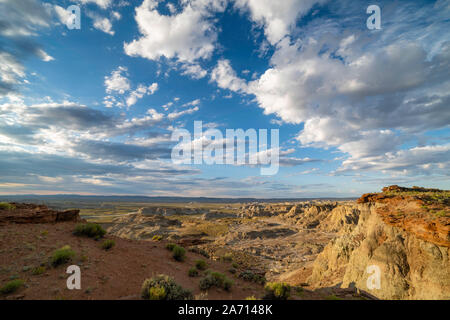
[185, 36]
[361, 93]
[226, 78]
[141, 91]
[194, 71]
[276, 17]
[117, 82]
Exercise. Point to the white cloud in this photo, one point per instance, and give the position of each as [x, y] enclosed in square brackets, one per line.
[140, 91]
[364, 94]
[277, 17]
[431, 159]
[226, 78]
[117, 82]
[116, 15]
[186, 36]
[101, 23]
[192, 103]
[101, 3]
[194, 71]
[175, 115]
[10, 69]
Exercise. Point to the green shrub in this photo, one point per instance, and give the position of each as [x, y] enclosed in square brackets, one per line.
[108, 244]
[277, 291]
[251, 298]
[11, 286]
[193, 272]
[91, 230]
[215, 279]
[170, 246]
[200, 264]
[163, 287]
[235, 265]
[38, 270]
[61, 256]
[157, 293]
[248, 275]
[179, 253]
[157, 238]
[6, 206]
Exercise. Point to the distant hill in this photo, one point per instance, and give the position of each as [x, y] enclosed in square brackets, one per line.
[73, 198]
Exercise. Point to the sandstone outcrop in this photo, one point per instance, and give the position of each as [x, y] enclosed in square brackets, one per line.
[392, 233]
[137, 226]
[31, 213]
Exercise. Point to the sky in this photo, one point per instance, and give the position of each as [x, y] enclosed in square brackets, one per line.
[92, 110]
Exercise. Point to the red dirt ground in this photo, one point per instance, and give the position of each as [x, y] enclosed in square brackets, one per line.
[114, 274]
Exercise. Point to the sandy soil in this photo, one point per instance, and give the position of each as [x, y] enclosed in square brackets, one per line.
[114, 274]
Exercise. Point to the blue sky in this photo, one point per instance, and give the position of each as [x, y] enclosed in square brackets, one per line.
[91, 111]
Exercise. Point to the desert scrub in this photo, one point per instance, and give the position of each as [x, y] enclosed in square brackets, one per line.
[200, 264]
[108, 244]
[178, 253]
[38, 270]
[193, 272]
[170, 246]
[215, 279]
[61, 256]
[248, 275]
[11, 286]
[6, 206]
[251, 298]
[163, 287]
[277, 291]
[91, 230]
[157, 238]
[332, 297]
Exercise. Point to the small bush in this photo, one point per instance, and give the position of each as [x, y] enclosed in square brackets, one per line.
[170, 246]
[157, 293]
[251, 298]
[277, 291]
[179, 253]
[91, 230]
[248, 275]
[200, 264]
[157, 238]
[6, 206]
[11, 286]
[38, 270]
[163, 287]
[333, 297]
[232, 270]
[108, 244]
[61, 256]
[193, 272]
[235, 265]
[215, 279]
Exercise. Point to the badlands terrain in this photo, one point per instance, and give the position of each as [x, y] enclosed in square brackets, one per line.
[317, 249]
